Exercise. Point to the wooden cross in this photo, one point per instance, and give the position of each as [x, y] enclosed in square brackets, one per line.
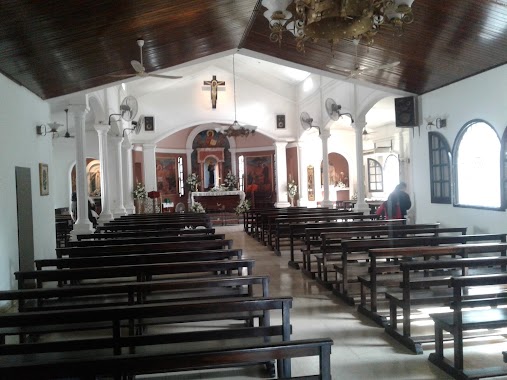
[214, 83]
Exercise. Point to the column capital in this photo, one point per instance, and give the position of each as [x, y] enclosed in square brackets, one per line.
[126, 144]
[325, 134]
[102, 128]
[116, 139]
[360, 123]
[78, 108]
[280, 144]
[149, 146]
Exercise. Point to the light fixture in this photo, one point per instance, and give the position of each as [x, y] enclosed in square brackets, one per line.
[236, 129]
[334, 20]
[437, 122]
[43, 129]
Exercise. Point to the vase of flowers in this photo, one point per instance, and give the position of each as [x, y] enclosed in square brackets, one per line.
[193, 182]
[230, 181]
[242, 207]
[198, 208]
[139, 195]
[292, 190]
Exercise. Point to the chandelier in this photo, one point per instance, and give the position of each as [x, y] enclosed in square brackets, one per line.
[334, 20]
[236, 129]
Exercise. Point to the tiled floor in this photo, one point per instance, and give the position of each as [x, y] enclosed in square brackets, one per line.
[361, 350]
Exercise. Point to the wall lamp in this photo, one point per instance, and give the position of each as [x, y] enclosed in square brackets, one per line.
[439, 122]
[43, 129]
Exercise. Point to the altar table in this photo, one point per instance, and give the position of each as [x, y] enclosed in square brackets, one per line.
[218, 200]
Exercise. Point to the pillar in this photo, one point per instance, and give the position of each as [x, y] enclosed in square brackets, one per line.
[83, 224]
[128, 182]
[119, 209]
[361, 205]
[105, 214]
[150, 167]
[281, 174]
[234, 162]
[303, 174]
[324, 137]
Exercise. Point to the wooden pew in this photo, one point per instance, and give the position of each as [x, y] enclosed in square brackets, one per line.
[143, 233]
[130, 293]
[143, 240]
[154, 225]
[331, 244]
[121, 366]
[142, 248]
[379, 255]
[459, 321]
[111, 320]
[140, 272]
[356, 250]
[419, 281]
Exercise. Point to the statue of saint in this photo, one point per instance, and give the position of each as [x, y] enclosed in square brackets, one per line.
[211, 171]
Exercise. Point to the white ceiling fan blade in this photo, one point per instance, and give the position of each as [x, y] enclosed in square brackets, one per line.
[164, 76]
[381, 67]
[122, 75]
[336, 68]
[138, 67]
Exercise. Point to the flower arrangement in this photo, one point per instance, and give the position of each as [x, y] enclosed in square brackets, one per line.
[197, 208]
[230, 181]
[242, 207]
[292, 189]
[139, 192]
[193, 181]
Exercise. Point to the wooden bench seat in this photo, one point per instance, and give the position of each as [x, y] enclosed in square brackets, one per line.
[143, 240]
[143, 248]
[121, 366]
[460, 320]
[145, 233]
[140, 272]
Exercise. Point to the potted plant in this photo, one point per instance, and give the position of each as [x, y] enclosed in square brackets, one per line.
[193, 181]
[139, 195]
[230, 181]
[197, 208]
[242, 207]
[292, 190]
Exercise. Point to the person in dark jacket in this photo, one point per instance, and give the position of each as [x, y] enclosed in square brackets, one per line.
[398, 202]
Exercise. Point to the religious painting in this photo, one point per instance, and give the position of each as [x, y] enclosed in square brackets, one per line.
[259, 173]
[338, 171]
[311, 183]
[44, 179]
[210, 139]
[167, 174]
[93, 174]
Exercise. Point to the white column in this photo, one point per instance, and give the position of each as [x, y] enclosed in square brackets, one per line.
[324, 136]
[128, 183]
[150, 167]
[119, 210]
[105, 214]
[234, 165]
[303, 174]
[361, 205]
[83, 224]
[281, 174]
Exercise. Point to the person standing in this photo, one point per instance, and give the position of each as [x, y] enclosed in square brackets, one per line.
[398, 202]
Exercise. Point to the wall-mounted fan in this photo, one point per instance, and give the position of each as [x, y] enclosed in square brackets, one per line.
[136, 126]
[128, 108]
[334, 110]
[140, 71]
[307, 122]
[67, 134]
[357, 70]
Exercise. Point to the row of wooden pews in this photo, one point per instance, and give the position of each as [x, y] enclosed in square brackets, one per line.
[392, 272]
[128, 301]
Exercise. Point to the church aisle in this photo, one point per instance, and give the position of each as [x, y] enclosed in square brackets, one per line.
[360, 351]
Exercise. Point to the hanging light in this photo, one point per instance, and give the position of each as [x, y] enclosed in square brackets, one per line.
[236, 129]
[334, 20]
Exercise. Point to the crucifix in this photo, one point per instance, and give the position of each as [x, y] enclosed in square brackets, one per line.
[214, 83]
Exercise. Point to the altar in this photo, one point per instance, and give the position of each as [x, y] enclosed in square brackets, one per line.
[214, 201]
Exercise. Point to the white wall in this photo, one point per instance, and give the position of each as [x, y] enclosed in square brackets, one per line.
[20, 112]
[482, 96]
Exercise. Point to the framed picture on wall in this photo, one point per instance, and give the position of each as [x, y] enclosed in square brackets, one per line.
[167, 174]
[44, 179]
[259, 173]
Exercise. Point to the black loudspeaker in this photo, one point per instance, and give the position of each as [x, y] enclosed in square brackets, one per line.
[280, 121]
[406, 112]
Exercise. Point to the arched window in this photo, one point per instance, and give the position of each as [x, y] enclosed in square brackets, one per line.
[440, 168]
[375, 178]
[391, 172]
[477, 162]
[241, 172]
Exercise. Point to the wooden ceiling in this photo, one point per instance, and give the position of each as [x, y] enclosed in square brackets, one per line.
[58, 48]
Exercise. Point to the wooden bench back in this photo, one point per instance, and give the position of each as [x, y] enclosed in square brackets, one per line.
[143, 240]
[146, 233]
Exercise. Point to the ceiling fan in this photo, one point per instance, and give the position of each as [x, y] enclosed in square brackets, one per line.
[357, 70]
[139, 69]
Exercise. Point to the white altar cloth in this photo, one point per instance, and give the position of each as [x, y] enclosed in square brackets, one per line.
[216, 194]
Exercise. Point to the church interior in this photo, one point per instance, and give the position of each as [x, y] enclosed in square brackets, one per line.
[263, 121]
